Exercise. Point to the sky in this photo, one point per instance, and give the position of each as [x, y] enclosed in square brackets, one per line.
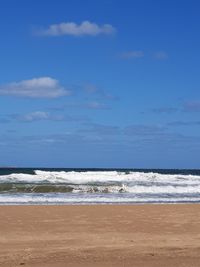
[105, 84]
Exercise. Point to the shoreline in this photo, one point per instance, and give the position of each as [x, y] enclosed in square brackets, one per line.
[100, 235]
[150, 204]
[67, 205]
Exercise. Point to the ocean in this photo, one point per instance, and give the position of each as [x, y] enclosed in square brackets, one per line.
[98, 186]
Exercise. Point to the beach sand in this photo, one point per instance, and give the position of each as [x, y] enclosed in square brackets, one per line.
[100, 235]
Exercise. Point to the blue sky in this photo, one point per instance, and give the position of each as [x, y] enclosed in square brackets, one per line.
[100, 83]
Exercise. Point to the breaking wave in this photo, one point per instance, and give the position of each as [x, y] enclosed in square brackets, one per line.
[98, 187]
[98, 177]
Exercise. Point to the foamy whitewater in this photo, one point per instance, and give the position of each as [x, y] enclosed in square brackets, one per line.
[27, 186]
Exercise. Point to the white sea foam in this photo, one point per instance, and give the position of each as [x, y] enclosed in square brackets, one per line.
[105, 187]
[139, 189]
[75, 177]
[90, 199]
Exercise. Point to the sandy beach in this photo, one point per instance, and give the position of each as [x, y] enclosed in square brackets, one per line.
[137, 235]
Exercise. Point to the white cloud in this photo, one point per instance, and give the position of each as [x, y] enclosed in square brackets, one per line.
[71, 28]
[37, 116]
[132, 54]
[43, 87]
[34, 116]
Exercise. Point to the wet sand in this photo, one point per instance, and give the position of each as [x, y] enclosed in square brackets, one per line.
[100, 235]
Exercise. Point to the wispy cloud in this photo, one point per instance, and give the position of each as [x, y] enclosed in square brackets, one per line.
[90, 88]
[132, 54]
[84, 105]
[38, 116]
[141, 136]
[136, 54]
[184, 123]
[188, 106]
[74, 29]
[160, 55]
[95, 105]
[99, 93]
[43, 87]
[167, 110]
[100, 129]
[144, 130]
[191, 106]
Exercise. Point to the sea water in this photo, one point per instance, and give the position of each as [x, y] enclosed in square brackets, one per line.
[91, 186]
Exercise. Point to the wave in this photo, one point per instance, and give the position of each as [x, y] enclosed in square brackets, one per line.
[99, 177]
[49, 188]
[98, 187]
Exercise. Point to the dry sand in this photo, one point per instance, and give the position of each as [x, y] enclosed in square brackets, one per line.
[137, 235]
